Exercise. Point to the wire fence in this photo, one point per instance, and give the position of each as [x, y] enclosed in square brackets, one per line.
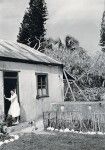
[75, 120]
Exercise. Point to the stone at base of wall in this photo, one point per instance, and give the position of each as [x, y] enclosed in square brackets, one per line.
[40, 125]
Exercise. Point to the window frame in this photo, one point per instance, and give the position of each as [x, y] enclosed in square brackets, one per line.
[47, 89]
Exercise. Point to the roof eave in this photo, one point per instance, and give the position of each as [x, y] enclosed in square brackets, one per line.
[29, 61]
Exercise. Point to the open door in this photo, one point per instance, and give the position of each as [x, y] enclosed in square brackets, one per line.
[10, 82]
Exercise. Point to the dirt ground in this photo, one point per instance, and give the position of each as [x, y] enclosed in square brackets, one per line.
[59, 141]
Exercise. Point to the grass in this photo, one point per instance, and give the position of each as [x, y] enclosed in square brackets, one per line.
[59, 141]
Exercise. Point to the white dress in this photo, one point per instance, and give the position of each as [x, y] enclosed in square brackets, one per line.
[14, 109]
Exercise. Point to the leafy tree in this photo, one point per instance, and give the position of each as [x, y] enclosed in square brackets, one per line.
[32, 28]
[74, 58]
[71, 42]
[102, 33]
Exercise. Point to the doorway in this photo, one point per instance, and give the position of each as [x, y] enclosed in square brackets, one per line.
[10, 83]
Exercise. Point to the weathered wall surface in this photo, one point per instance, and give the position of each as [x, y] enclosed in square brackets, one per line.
[32, 108]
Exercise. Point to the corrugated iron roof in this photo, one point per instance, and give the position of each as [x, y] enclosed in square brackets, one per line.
[18, 52]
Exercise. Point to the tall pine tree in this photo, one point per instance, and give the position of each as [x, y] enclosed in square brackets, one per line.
[102, 33]
[33, 25]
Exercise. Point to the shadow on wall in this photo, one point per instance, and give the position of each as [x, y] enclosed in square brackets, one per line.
[1, 114]
[22, 114]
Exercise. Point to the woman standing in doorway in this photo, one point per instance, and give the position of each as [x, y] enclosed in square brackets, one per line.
[14, 109]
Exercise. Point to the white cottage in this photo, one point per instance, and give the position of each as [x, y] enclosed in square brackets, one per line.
[37, 78]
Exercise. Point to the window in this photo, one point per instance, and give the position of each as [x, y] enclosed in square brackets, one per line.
[42, 85]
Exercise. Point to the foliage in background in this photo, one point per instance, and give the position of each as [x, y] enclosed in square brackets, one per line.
[96, 74]
[92, 94]
[75, 58]
[102, 32]
[78, 63]
[32, 28]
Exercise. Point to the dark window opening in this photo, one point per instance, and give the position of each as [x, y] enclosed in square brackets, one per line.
[42, 85]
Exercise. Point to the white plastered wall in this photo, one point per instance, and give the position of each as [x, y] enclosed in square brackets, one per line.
[32, 108]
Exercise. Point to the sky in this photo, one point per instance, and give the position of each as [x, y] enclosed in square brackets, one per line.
[78, 18]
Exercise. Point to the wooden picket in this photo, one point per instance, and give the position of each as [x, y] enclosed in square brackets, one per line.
[74, 120]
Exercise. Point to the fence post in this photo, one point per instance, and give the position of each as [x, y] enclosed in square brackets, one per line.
[48, 119]
[56, 119]
[43, 116]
